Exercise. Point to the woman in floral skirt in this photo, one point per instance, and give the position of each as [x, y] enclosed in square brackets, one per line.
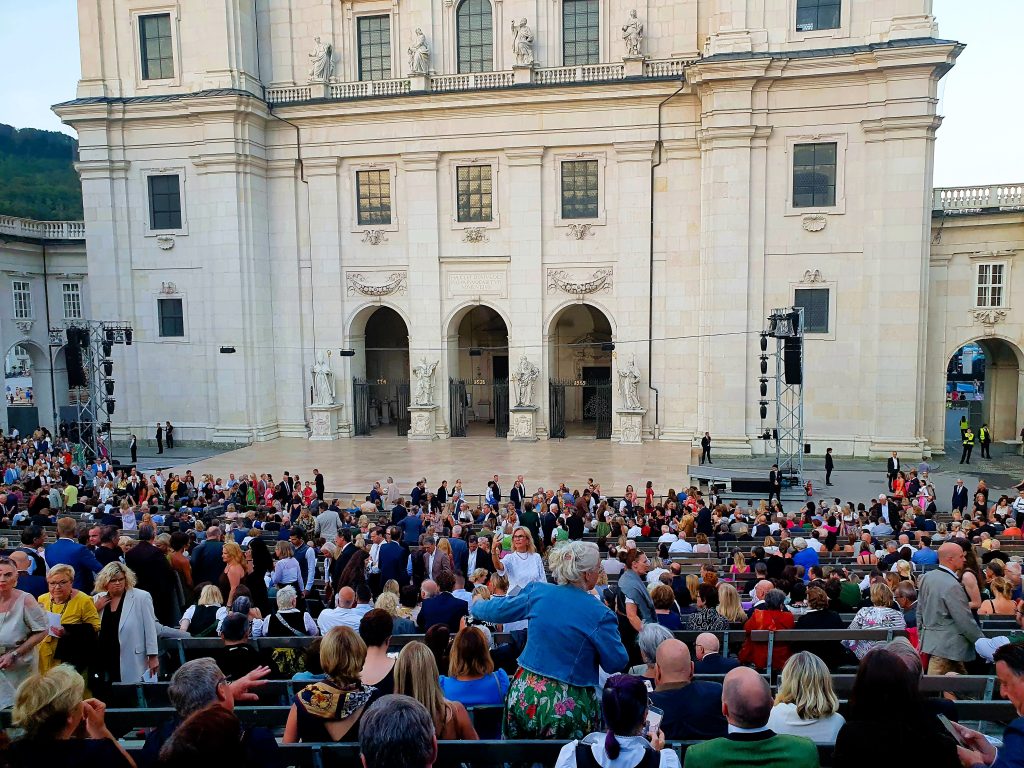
[571, 635]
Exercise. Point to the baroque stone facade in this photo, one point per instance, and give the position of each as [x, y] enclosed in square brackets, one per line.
[688, 241]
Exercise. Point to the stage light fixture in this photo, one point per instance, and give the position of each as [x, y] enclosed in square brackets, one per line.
[764, 409]
[608, 346]
[347, 352]
[108, 348]
[475, 352]
[108, 385]
[110, 405]
[227, 350]
[108, 367]
[128, 336]
[764, 342]
[764, 386]
[764, 364]
[110, 335]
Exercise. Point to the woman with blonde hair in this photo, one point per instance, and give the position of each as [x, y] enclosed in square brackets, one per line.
[400, 625]
[50, 708]
[806, 704]
[702, 547]
[739, 565]
[770, 545]
[416, 676]
[729, 603]
[128, 631]
[472, 679]
[881, 614]
[75, 609]
[235, 568]
[522, 565]
[203, 618]
[1001, 602]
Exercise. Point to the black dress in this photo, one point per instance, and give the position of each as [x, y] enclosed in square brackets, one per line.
[72, 753]
[110, 643]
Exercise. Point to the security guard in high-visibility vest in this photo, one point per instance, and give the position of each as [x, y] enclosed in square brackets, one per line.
[965, 457]
[985, 438]
[964, 425]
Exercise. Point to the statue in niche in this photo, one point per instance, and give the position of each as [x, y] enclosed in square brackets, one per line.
[629, 385]
[424, 373]
[633, 35]
[321, 62]
[522, 43]
[524, 376]
[323, 381]
[419, 54]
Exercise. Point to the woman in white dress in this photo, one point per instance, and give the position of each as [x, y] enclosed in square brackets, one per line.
[521, 566]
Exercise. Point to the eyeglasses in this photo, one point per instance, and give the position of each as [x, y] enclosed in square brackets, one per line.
[114, 580]
[62, 583]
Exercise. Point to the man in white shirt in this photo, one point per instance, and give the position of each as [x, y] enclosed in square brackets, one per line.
[667, 537]
[635, 531]
[1018, 505]
[348, 613]
[813, 542]
[680, 546]
[611, 564]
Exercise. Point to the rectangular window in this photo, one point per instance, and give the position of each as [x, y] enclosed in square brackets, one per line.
[172, 318]
[474, 29]
[374, 47]
[580, 29]
[72, 293]
[815, 304]
[990, 285]
[817, 14]
[22, 299]
[374, 193]
[579, 189]
[155, 47]
[164, 202]
[814, 175]
[474, 192]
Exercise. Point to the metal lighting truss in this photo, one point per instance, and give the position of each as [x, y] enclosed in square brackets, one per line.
[788, 323]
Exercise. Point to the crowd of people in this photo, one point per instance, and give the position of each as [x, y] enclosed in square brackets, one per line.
[556, 605]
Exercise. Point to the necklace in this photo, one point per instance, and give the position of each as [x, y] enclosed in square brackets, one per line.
[522, 555]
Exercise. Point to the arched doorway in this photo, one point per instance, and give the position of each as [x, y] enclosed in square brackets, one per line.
[580, 366]
[380, 370]
[478, 373]
[23, 366]
[982, 383]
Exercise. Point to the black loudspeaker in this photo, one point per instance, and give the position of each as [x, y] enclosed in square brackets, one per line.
[73, 357]
[792, 364]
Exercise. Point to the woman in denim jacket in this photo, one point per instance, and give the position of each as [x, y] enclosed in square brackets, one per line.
[571, 635]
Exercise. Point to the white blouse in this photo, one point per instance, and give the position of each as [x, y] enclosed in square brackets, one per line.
[521, 571]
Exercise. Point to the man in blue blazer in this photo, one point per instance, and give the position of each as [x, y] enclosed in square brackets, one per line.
[393, 559]
[978, 750]
[443, 608]
[67, 551]
[709, 660]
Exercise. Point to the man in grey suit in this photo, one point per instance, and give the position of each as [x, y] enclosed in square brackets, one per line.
[434, 563]
[947, 629]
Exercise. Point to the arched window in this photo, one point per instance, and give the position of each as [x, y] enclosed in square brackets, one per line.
[475, 36]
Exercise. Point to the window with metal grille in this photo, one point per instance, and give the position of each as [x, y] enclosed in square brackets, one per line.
[814, 175]
[374, 194]
[475, 36]
[815, 304]
[22, 291]
[172, 317]
[990, 285]
[374, 47]
[164, 202]
[817, 14]
[580, 29]
[474, 192]
[155, 46]
[72, 293]
[579, 189]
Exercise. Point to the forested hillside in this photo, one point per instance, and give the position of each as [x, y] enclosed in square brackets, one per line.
[37, 180]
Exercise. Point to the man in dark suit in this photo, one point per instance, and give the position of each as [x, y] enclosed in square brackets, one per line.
[892, 469]
[693, 709]
[68, 551]
[343, 541]
[434, 563]
[709, 660]
[393, 559]
[959, 495]
[497, 490]
[399, 512]
[518, 493]
[318, 484]
[152, 573]
[475, 557]
[133, 446]
[207, 559]
[830, 465]
[705, 448]
[774, 483]
[442, 608]
[460, 550]
[704, 524]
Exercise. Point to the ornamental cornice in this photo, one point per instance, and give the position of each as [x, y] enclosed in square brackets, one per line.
[634, 151]
[102, 169]
[420, 161]
[394, 283]
[228, 162]
[321, 166]
[564, 281]
[524, 155]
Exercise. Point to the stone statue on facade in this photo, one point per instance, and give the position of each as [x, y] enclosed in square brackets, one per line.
[523, 377]
[419, 54]
[633, 35]
[424, 373]
[321, 62]
[323, 381]
[522, 43]
[629, 385]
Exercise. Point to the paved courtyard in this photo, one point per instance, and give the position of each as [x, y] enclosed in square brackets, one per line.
[351, 466]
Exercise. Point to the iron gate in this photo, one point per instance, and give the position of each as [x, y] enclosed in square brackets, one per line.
[500, 406]
[380, 403]
[458, 405]
[556, 407]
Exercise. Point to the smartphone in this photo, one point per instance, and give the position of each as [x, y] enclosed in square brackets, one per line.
[952, 731]
[649, 686]
[654, 716]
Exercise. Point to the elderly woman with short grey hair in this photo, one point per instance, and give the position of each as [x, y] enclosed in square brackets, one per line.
[650, 637]
[572, 636]
[289, 621]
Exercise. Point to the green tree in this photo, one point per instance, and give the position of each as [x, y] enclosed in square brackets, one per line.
[37, 176]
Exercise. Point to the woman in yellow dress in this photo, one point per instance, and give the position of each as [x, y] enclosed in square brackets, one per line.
[74, 608]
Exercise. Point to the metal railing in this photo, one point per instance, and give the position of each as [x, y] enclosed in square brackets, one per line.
[42, 230]
[987, 198]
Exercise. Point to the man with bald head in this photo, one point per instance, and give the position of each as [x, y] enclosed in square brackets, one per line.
[746, 704]
[349, 612]
[692, 707]
[710, 661]
[34, 584]
[761, 589]
[945, 625]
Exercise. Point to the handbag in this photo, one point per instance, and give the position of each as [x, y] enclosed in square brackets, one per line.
[77, 646]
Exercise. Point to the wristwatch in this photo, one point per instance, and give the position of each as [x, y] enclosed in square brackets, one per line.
[14, 653]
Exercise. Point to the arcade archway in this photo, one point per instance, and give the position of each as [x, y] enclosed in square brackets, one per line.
[580, 366]
[983, 385]
[478, 373]
[380, 370]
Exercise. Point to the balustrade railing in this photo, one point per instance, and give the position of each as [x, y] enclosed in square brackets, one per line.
[991, 197]
[42, 230]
